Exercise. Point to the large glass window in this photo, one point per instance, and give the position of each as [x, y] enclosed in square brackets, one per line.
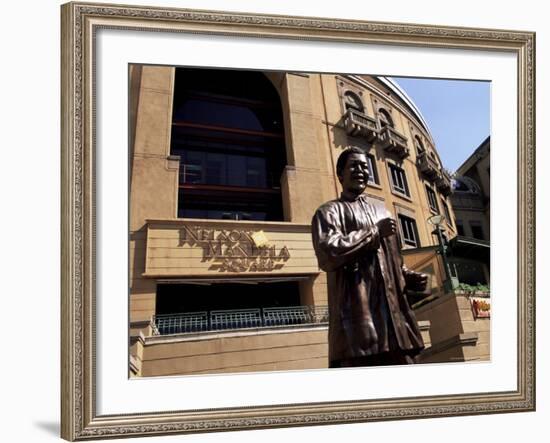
[227, 129]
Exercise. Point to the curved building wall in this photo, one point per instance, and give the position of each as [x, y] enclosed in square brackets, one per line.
[399, 148]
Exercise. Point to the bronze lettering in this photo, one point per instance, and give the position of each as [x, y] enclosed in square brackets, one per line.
[222, 237]
[284, 254]
[191, 232]
[234, 236]
[213, 250]
[234, 250]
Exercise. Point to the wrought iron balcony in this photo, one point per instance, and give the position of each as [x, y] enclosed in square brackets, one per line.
[443, 183]
[393, 141]
[427, 165]
[166, 324]
[360, 125]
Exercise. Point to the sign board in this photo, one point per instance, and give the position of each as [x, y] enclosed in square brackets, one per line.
[186, 247]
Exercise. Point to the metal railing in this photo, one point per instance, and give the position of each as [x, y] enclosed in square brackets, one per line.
[175, 324]
[223, 320]
[443, 183]
[427, 165]
[393, 141]
[235, 319]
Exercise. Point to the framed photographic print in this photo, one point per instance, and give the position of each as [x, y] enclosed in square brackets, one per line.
[197, 149]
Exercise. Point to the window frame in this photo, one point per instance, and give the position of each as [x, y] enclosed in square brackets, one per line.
[412, 228]
[432, 199]
[447, 212]
[374, 178]
[387, 118]
[396, 188]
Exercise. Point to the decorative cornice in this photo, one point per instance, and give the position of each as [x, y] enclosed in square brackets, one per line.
[306, 23]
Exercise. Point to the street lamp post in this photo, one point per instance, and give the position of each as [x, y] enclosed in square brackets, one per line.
[437, 220]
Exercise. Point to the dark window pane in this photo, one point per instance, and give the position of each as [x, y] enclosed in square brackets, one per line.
[256, 172]
[215, 169]
[236, 170]
[373, 173]
[399, 181]
[447, 213]
[432, 200]
[409, 231]
[353, 101]
[218, 114]
[477, 231]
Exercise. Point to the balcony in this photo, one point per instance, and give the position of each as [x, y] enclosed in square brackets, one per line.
[360, 125]
[443, 183]
[192, 322]
[392, 141]
[428, 166]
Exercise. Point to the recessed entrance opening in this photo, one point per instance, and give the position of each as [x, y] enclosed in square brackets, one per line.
[181, 298]
[200, 307]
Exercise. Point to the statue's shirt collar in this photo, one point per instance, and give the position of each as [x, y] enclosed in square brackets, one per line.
[349, 196]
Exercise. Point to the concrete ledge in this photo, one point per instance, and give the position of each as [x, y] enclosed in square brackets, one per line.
[433, 303]
[212, 335]
[460, 340]
[424, 325]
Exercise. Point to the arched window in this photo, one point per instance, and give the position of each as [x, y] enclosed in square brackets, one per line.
[419, 145]
[227, 128]
[353, 101]
[385, 118]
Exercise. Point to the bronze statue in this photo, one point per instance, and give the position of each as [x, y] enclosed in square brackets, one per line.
[370, 320]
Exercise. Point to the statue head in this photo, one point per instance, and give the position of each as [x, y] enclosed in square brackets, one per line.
[352, 170]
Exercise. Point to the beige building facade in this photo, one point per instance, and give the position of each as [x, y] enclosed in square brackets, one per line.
[471, 203]
[471, 194]
[226, 171]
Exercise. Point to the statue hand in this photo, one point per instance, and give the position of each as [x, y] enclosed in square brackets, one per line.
[416, 281]
[386, 227]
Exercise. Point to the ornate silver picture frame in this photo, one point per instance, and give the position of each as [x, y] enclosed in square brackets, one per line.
[81, 23]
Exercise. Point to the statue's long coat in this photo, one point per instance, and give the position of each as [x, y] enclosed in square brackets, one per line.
[368, 309]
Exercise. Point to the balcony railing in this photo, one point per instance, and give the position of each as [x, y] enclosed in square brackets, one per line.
[167, 324]
[443, 183]
[393, 141]
[427, 165]
[360, 125]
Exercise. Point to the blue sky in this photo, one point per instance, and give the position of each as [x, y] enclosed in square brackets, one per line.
[457, 112]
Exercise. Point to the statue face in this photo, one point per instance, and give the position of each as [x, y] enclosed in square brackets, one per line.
[355, 174]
